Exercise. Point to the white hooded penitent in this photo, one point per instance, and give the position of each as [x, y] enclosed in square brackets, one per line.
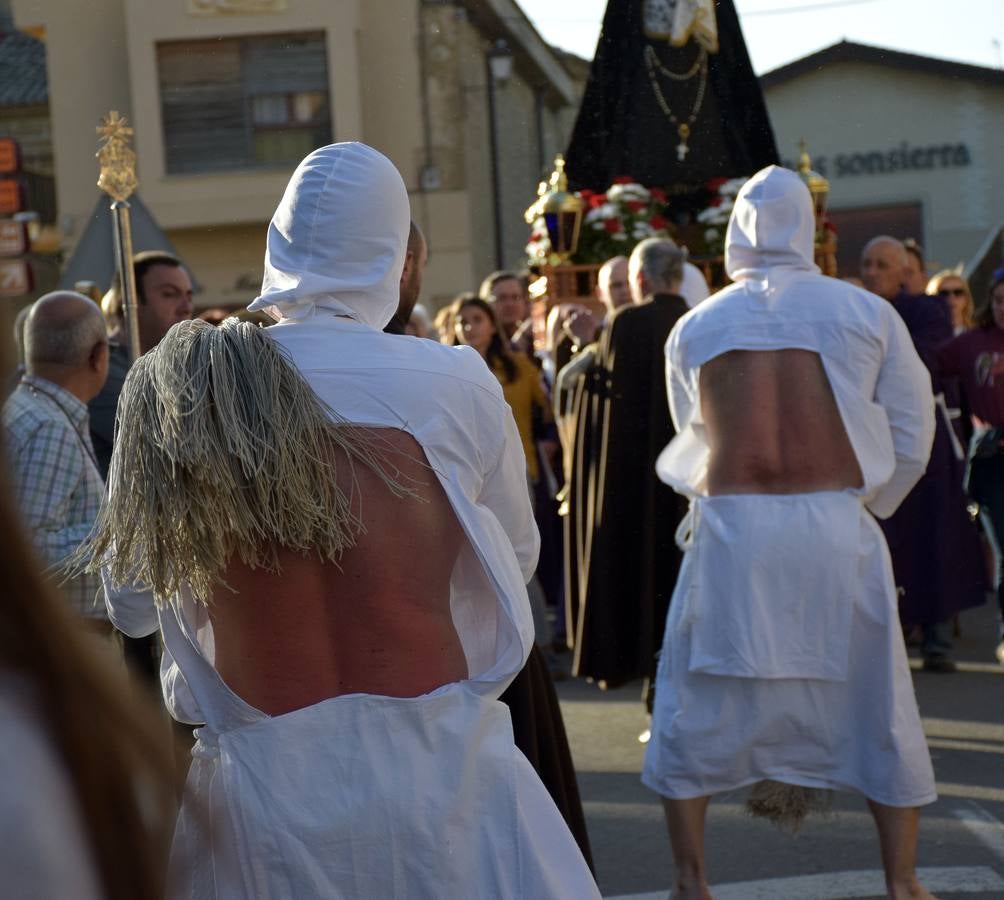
[337, 240]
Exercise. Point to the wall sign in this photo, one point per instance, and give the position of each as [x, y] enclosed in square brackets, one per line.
[10, 156]
[904, 158]
[15, 278]
[11, 196]
[13, 238]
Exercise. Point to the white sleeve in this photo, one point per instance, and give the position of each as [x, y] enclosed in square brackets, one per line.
[506, 492]
[681, 400]
[130, 608]
[903, 389]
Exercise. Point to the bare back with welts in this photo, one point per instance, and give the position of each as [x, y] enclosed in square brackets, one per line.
[379, 623]
[773, 425]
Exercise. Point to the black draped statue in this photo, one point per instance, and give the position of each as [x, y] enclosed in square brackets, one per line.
[667, 116]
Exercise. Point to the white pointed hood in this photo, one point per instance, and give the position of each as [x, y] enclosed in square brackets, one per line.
[337, 240]
[772, 227]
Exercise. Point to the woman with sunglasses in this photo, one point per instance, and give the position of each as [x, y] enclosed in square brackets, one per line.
[953, 289]
[977, 359]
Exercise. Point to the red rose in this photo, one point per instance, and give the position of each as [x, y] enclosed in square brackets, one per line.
[623, 179]
[715, 183]
[635, 205]
[597, 200]
[612, 225]
[658, 194]
[585, 193]
[716, 201]
[658, 222]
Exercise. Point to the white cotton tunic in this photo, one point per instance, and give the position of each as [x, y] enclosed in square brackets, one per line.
[783, 656]
[360, 795]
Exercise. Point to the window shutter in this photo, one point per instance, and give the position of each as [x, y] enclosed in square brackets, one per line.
[221, 101]
[202, 103]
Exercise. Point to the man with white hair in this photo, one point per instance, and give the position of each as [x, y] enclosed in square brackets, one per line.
[339, 553]
[612, 284]
[802, 410]
[936, 556]
[56, 480]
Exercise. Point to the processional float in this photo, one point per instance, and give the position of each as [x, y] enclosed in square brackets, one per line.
[672, 122]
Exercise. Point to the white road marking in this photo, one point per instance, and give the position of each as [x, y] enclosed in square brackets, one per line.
[841, 885]
[970, 791]
[987, 829]
[987, 668]
[964, 746]
[962, 729]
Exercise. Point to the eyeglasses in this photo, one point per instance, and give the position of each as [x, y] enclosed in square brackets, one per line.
[952, 292]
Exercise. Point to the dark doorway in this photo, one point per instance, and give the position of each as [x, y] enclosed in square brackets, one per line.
[857, 226]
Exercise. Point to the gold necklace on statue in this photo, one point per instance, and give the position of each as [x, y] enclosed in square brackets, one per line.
[655, 68]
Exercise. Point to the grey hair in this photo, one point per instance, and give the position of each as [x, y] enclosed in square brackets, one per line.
[223, 451]
[19, 322]
[62, 329]
[661, 262]
[896, 243]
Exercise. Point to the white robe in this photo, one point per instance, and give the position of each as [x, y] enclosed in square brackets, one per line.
[783, 656]
[363, 795]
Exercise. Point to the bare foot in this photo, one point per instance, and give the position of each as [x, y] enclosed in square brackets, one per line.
[692, 890]
[909, 890]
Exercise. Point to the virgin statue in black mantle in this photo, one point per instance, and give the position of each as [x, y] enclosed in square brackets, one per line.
[671, 101]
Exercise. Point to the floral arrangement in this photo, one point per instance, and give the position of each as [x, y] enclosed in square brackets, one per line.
[715, 216]
[613, 222]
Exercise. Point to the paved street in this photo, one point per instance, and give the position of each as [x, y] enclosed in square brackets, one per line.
[962, 835]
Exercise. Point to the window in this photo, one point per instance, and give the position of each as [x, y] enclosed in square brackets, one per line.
[237, 103]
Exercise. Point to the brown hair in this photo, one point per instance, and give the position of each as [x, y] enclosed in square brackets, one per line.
[911, 246]
[488, 285]
[498, 353]
[985, 314]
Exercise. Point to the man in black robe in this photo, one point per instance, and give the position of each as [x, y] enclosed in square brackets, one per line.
[671, 101]
[628, 559]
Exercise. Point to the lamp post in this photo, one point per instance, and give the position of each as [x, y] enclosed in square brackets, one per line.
[498, 67]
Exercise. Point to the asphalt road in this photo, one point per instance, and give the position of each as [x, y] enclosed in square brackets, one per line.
[961, 851]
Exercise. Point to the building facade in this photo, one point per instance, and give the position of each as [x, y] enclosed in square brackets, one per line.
[226, 96]
[911, 146]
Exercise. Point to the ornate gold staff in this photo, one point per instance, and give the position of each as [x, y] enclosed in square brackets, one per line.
[118, 180]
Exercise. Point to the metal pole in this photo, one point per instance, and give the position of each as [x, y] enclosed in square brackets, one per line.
[127, 279]
[494, 149]
[118, 180]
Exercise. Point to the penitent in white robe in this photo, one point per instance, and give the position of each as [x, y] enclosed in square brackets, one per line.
[783, 656]
[360, 795]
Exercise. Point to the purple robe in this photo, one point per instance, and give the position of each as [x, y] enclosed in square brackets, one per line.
[936, 556]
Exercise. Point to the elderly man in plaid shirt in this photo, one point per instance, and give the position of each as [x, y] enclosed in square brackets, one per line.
[56, 481]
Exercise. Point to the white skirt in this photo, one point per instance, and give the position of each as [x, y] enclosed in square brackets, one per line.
[783, 656]
[364, 796]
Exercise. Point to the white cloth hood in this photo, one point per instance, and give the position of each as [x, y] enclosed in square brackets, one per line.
[338, 238]
[772, 226]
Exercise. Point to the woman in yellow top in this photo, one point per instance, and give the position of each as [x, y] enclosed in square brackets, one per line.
[477, 325]
[537, 725]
